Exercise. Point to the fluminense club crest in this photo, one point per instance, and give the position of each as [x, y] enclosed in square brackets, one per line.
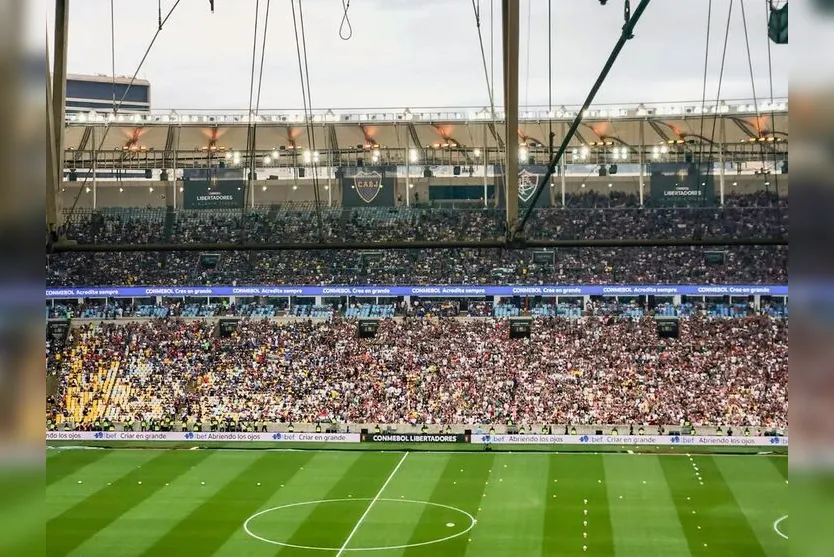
[367, 185]
[527, 182]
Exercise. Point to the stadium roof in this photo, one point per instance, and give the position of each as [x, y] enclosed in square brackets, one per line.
[736, 125]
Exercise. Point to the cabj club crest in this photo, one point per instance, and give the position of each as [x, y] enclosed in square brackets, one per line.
[367, 185]
[527, 182]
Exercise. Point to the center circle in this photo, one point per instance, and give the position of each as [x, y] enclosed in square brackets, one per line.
[248, 530]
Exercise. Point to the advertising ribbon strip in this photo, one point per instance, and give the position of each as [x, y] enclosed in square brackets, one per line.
[197, 437]
[665, 440]
[423, 291]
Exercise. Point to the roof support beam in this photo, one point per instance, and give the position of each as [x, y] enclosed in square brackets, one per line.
[509, 16]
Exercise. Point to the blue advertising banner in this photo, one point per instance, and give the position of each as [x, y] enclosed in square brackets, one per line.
[423, 291]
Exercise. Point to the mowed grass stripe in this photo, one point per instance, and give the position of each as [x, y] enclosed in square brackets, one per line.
[391, 523]
[69, 530]
[68, 462]
[328, 525]
[644, 519]
[311, 482]
[67, 492]
[761, 494]
[579, 477]
[138, 528]
[460, 490]
[781, 465]
[211, 524]
[511, 519]
[709, 514]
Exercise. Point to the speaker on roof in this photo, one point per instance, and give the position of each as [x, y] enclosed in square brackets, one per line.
[148, 173]
[456, 170]
[603, 171]
[612, 169]
[302, 172]
[777, 24]
[687, 158]
[73, 175]
[427, 172]
[163, 175]
[360, 162]
[784, 167]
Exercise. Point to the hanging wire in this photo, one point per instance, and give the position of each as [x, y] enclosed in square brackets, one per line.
[113, 50]
[303, 70]
[758, 114]
[310, 128]
[250, 118]
[345, 28]
[476, 8]
[550, 135]
[527, 63]
[122, 99]
[772, 114]
[704, 101]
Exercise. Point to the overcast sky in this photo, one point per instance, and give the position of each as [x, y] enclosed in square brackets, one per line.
[423, 53]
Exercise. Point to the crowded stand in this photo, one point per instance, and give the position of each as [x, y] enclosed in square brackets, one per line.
[588, 216]
[596, 369]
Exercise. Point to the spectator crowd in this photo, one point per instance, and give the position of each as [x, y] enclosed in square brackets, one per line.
[587, 370]
[584, 217]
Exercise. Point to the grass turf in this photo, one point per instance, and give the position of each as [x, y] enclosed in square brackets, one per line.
[195, 503]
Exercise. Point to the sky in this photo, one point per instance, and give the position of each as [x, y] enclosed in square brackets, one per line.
[423, 53]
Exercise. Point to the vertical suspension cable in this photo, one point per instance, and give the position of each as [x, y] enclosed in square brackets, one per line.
[310, 128]
[250, 120]
[772, 114]
[107, 129]
[304, 99]
[113, 51]
[527, 62]
[549, 77]
[703, 107]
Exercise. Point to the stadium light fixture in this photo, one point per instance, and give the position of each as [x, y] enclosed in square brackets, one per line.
[263, 188]
[267, 159]
[275, 153]
[664, 150]
[582, 186]
[315, 157]
[522, 153]
[87, 189]
[476, 153]
[121, 190]
[413, 155]
[294, 187]
[307, 157]
[150, 189]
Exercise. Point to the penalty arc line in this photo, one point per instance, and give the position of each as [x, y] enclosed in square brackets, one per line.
[776, 526]
[370, 506]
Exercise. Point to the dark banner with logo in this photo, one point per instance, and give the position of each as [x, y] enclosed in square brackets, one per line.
[528, 180]
[368, 186]
[414, 438]
[681, 184]
[219, 194]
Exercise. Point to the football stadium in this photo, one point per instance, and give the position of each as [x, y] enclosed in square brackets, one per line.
[550, 322]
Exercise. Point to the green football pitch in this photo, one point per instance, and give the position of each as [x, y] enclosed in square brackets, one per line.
[236, 503]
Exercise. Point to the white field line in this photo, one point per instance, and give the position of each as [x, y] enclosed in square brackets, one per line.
[370, 506]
